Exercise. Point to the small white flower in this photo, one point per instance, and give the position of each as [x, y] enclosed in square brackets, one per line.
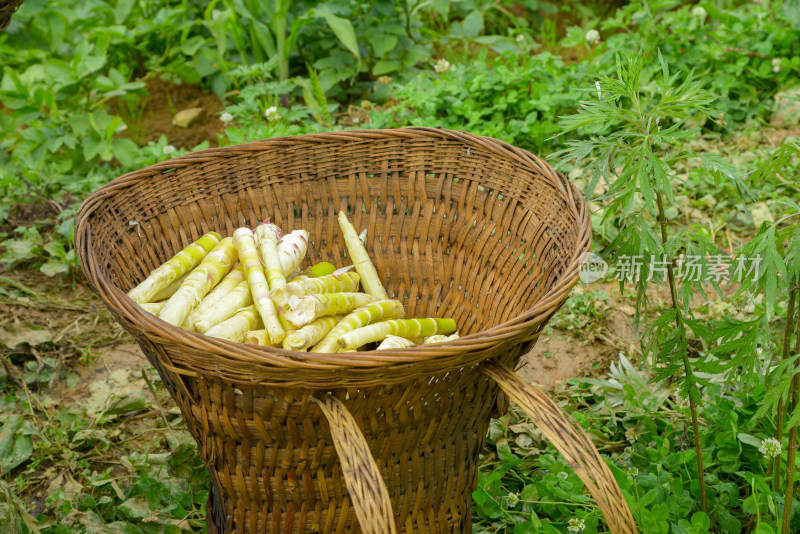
[441, 65]
[512, 499]
[632, 435]
[776, 64]
[599, 92]
[226, 117]
[576, 525]
[699, 12]
[356, 120]
[593, 37]
[770, 448]
[633, 471]
[520, 38]
[169, 149]
[271, 113]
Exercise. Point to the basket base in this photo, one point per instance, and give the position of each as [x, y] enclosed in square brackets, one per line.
[210, 525]
[215, 522]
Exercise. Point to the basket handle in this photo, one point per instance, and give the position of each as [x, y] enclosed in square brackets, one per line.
[572, 442]
[364, 482]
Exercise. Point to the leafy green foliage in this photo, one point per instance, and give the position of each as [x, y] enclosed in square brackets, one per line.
[643, 423]
[732, 48]
[515, 100]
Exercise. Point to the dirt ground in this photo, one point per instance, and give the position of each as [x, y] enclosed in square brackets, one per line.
[563, 353]
[153, 115]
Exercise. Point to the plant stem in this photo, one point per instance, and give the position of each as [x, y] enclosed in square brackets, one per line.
[673, 289]
[794, 398]
[787, 337]
[279, 28]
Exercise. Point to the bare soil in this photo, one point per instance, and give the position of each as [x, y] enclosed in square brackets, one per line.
[153, 117]
[561, 354]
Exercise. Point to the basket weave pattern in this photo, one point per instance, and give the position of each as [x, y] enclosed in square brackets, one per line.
[458, 226]
[7, 8]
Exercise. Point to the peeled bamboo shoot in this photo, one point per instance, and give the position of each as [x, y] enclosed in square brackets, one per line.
[180, 264]
[407, 328]
[292, 249]
[227, 306]
[152, 307]
[209, 304]
[312, 332]
[306, 309]
[267, 239]
[246, 245]
[199, 282]
[170, 290]
[235, 328]
[383, 309]
[395, 342]
[342, 283]
[257, 337]
[358, 254]
[440, 338]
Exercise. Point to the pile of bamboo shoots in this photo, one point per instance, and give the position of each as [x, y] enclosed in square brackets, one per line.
[250, 288]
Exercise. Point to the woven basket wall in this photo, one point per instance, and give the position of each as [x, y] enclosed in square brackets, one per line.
[458, 226]
[7, 8]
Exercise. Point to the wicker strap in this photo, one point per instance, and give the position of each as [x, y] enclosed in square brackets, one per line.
[361, 474]
[572, 442]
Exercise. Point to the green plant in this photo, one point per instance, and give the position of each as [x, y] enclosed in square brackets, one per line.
[642, 132]
[638, 420]
[13, 513]
[778, 244]
[242, 22]
[733, 47]
[515, 99]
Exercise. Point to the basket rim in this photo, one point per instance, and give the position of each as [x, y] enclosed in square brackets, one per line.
[450, 354]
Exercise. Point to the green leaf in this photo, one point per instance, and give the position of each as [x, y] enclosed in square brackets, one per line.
[498, 43]
[473, 24]
[526, 527]
[793, 256]
[321, 103]
[343, 29]
[749, 439]
[126, 151]
[488, 505]
[18, 250]
[701, 522]
[385, 66]
[383, 44]
[719, 167]
[54, 267]
[730, 524]
[123, 527]
[442, 6]
[122, 10]
[15, 446]
[294, 32]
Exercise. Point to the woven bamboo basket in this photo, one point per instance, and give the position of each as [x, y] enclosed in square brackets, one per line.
[458, 225]
[7, 8]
